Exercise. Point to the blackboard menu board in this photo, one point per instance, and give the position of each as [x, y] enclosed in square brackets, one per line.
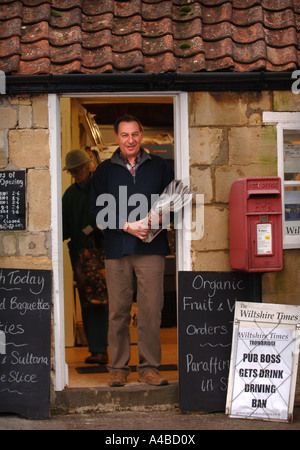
[12, 200]
[25, 336]
[206, 302]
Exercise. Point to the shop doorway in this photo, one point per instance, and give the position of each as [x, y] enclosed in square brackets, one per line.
[86, 121]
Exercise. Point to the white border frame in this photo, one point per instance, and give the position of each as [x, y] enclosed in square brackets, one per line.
[183, 241]
[60, 367]
[284, 121]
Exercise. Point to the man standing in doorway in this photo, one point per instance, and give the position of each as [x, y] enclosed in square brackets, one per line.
[130, 172]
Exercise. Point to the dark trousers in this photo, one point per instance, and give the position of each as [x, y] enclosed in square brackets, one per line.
[95, 324]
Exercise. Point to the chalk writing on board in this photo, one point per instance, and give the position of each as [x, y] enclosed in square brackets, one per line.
[206, 306]
[25, 322]
[12, 200]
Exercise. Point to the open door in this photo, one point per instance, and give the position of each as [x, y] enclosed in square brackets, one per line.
[87, 122]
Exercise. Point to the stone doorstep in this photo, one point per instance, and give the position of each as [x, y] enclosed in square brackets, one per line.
[138, 397]
[131, 397]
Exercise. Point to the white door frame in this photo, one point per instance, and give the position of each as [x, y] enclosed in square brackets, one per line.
[183, 241]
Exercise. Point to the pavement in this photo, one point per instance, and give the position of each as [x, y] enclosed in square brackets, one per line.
[135, 410]
[170, 422]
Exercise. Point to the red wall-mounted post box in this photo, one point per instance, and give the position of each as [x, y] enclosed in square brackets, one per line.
[255, 224]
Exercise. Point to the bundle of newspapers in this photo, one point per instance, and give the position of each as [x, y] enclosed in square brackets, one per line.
[175, 196]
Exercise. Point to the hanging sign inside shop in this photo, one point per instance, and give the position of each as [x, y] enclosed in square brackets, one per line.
[164, 151]
[206, 302]
[12, 200]
[25, 337]
[264, 360]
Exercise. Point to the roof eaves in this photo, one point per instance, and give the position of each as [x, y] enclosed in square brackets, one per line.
[142, 82]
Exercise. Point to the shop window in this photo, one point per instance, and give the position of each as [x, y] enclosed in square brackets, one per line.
[288, 157]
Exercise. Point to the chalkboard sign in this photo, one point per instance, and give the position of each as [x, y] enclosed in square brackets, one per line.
[206, 302]
[25, 331]
[12, 200]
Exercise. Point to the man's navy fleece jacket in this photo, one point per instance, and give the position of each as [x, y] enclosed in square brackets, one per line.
[152, 176]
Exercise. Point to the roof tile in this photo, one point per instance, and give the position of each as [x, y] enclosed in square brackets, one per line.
[65, 19]
[277, 5]
[187, 12]
[279, 19]
[281, 56]
[97, 7]
[130, 60]
[250, 53]
[245, 4]
[10, 64]
[96, 58]
[225, 63]
[279, 38]
[214, 32]
[127, 9]
[11, 10]
[96, 36]
[283, 67]
[218, 14]
[96, 39]
[248, 35]
[10, 47]
[35, 32]
[33, 3]
[156, 46]
[128, 43]
[189, 47]
[65, 36]
[65, 54]
[195, 63]
[222, 49]
[10, 28]
[71, 67]
[128, 25]
[65, 4]
[37, 14]
[35, 50]
[38, 67]
[247, 17]
[160, 63]
[154, 12]
[97, 23]
[194, 28]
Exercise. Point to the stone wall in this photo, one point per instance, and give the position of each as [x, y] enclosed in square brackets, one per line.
[228, 140]
[24, 145]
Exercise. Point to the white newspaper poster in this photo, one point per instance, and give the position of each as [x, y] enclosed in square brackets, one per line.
[264, 361]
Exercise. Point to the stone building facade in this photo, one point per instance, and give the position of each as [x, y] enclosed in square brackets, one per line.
[24, 144]
[228, 139]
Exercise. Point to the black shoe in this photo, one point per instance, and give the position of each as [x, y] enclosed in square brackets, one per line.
[97, 358]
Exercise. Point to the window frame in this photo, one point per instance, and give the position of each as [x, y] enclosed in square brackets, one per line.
[284, 121]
